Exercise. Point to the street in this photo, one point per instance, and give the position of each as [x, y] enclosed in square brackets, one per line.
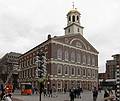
[86, 96]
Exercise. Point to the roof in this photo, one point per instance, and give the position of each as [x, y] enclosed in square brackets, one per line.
[73, 11]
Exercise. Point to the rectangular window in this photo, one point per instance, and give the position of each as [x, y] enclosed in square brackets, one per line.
[59, 69]
[73, 71]
[66, 70]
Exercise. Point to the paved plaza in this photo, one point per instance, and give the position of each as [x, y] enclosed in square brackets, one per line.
[86, 96]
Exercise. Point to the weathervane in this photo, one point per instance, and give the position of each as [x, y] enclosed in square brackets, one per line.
[73, 4]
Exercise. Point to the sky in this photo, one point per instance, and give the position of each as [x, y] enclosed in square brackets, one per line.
[24, 24]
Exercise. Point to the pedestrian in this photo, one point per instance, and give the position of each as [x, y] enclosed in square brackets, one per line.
[2, 94]
[36, 90]
[50, 93]
[64, 90]
[106, 96]
[95, 94]
[45, 92]
[72, 95]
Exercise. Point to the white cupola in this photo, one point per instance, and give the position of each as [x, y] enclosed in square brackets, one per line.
[73, 23]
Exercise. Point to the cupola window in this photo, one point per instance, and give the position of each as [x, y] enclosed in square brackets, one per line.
[69, 18]
[77, 18]
[73, 18]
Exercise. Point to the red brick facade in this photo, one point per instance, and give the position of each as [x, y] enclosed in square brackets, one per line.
[71, 61]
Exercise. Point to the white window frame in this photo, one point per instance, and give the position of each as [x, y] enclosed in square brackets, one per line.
[78, 68]
[78, 57]
[88, 59]
[66, 67]
[73, 56]
[84, 59]
[71, 71]
[93, 60]
[59, 67]
[84, 70]
[59, 82]
[59, 54]
[89, 72]
[66, 55]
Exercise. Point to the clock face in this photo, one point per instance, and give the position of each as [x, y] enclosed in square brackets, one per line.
[66, 40]
[78, 44]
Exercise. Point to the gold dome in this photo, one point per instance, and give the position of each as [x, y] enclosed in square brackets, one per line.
[73, 11]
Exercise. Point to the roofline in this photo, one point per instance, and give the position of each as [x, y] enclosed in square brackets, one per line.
[35, 47]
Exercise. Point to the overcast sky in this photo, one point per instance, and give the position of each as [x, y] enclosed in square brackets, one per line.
[26, 23]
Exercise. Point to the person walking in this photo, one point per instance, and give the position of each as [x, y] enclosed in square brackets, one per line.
[72, 95]
[106, 96]
[95, 94]
[2, 94]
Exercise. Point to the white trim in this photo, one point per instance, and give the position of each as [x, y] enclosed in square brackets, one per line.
[70, 64]
[80, 41]
[53, 78]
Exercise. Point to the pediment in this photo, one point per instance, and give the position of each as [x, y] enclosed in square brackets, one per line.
[77, 41]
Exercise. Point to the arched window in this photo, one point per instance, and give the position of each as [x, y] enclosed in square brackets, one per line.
[88, 72]
[73, 56]
[84, 72]
[78, 71]
[59, 69]
[59, 54]
[73, 18]
[78, 57]
[93, 60]
[73, 71]
[84, 59]
[69, 18]
[88, 59]
[66, 55]
[66, 70]
[77, 18]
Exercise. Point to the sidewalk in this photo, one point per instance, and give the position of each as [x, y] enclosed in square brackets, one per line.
[16, 99]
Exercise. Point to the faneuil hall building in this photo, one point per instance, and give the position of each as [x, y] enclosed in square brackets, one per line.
[71, 60]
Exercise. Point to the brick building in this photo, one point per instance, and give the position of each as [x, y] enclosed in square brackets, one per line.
[7, 63]
[109, 77]
[71, 60]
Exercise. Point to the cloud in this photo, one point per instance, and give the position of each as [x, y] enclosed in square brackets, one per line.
[26, 23]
